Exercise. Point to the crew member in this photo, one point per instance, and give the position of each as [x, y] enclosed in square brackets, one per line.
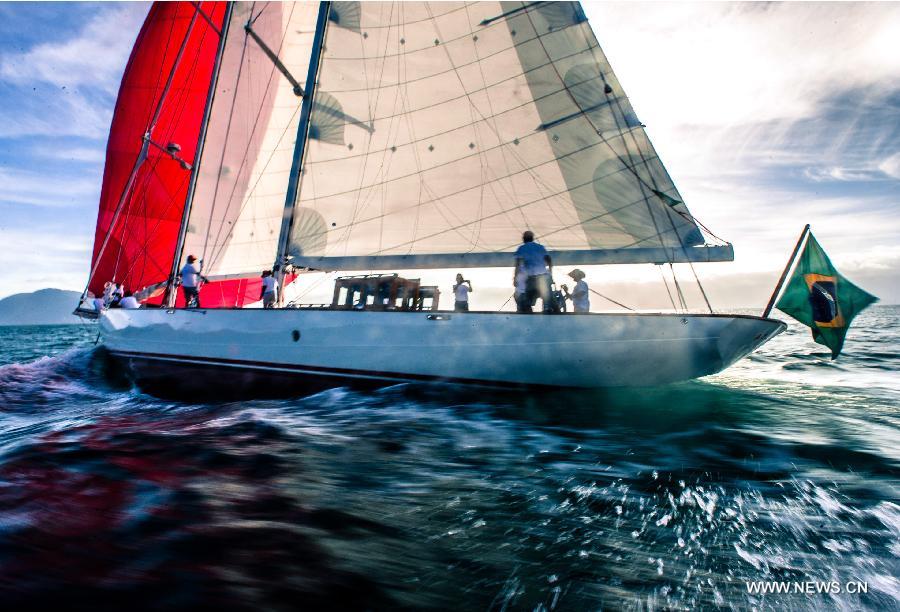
[580, 296]
[190, 282]
[269, 292]
[461, 293]
[129, 301]
[532, 259]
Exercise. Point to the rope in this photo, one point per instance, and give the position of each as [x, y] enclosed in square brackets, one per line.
[609, 299]
[666, 284]
[678, 288]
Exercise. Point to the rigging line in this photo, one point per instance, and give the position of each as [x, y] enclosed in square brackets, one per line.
[507, 301]
[142, 188]
[634, 243]
[206, 18]
[301, 150]
[609, 299]
[666, 283]
[448, 101]
[219, 243]
[142, 155]
[681, 299]
[690, 263]
[386, 161]
[510, 13]
[145, 247]
[231, 118]
[259, 14]
[171, 78]
[312, 286]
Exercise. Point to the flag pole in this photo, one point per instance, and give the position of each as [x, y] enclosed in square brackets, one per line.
[784, 274]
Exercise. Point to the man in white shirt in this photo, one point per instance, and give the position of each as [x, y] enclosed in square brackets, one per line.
[534, 261]
[461, 294]
[269, 292]
[190, 282]
[129, 301]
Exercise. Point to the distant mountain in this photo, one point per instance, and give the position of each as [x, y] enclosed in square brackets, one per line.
[43, 307]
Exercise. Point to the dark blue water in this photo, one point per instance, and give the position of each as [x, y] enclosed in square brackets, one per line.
[783, 468]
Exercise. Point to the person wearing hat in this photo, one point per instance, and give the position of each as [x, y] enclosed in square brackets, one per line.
[190, 282]
[580, 296]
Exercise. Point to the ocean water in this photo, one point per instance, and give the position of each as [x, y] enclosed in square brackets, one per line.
[783, 468]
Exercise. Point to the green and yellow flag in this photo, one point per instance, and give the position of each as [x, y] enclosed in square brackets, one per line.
[818, 296]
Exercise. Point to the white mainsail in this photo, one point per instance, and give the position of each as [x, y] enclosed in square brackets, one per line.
[237, 208]
[440, 131]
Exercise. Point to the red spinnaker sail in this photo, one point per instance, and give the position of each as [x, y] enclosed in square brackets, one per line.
[140, 247]
[146, 218]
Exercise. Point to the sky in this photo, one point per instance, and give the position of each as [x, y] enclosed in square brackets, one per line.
[767, 116]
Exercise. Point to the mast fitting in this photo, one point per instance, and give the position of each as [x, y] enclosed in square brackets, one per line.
[298, 89]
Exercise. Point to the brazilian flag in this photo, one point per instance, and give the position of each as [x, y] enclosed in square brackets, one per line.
[819, 297]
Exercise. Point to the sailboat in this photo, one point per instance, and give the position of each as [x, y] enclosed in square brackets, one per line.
[341, 136]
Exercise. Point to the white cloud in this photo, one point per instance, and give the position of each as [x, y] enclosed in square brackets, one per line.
[68, 87]
[71, 153]
[94, 57]
[735, 63]
[891, 165]
[63, 259]
[56, 115]
[38, 189]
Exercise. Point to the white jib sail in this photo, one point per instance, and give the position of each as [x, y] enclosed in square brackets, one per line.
[238, 204]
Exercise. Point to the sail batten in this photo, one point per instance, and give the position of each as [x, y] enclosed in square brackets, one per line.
[485, 119]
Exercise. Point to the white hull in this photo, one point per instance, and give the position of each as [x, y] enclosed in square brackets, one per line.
[495, 349]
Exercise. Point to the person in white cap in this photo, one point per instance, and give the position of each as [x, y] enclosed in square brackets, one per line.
[580, 296]
[190, 282]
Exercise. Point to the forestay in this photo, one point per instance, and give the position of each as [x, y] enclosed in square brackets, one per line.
[236, 211]
[440, 131]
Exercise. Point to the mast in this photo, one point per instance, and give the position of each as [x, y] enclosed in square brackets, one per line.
[300, 146]
[784, 274]
[171, 293]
